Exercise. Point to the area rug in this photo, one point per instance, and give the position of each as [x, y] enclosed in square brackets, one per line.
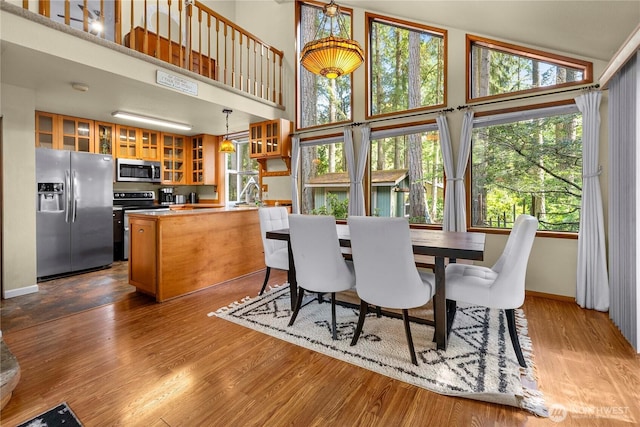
[59, 416]
[478, 364]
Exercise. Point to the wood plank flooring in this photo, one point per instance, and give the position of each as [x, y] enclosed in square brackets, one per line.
[134, 362]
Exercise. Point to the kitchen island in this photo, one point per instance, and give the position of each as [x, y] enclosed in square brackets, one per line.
[177, 252]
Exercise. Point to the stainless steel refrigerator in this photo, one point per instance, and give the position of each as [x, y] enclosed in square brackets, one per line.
[74, 224]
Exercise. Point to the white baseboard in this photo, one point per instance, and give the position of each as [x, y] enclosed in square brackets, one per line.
[12, 293]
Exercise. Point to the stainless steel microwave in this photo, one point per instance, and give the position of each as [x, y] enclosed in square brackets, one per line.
[130, 170]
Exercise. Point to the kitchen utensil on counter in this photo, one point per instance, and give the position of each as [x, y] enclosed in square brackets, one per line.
[180, 199]
[193, 197]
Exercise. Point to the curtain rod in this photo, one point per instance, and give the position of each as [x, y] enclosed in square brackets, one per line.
[354, 124]
[595, 86]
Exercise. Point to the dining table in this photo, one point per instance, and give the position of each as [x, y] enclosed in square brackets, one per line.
[443, 246]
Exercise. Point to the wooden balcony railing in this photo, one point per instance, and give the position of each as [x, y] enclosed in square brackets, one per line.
[185, 33]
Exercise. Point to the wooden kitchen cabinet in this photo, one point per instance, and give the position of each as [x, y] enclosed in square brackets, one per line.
[270, 139]
[143, 272]
[64, 133]
[204, 154]
[46, 127]
[135, 143]
[77, 134]
[174, 162]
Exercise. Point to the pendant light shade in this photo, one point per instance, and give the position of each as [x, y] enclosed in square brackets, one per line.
[332, 56]
[227, 146]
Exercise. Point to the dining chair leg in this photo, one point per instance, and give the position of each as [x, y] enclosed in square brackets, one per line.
[511, 322]
[378, 311]
[266, 279]
[407, 331]
[364, 308]
[297, 307]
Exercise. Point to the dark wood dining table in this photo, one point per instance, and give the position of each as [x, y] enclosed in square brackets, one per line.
[441, 245]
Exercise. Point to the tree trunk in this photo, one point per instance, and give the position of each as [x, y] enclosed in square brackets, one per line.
[417, 203]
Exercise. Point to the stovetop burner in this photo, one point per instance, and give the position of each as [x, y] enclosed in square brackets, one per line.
[128, 199]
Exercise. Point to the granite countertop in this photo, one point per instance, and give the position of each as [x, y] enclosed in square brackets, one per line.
[199, 211]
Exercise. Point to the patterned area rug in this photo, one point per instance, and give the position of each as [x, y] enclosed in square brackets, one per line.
[479, 362]
[61, 415]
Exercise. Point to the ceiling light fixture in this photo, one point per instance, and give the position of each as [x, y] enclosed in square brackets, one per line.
[226, 146]
[150, 120]
[332, 56]
[80, 87]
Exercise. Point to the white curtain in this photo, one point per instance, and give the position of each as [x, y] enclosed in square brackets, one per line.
[356, 172]
[449, 218]
[295, 163]
[351, 167]
[592, 278]
[463, 159]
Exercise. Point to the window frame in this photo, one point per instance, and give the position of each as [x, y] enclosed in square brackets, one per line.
[410, 128]
[369, 19]
[539, 55]
[240, 138]
[468, 176]
[299, 4]
[314, 141]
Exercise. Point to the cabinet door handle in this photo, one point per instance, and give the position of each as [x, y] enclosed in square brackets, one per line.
[141, 230]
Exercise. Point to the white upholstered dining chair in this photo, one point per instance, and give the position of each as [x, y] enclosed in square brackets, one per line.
[276, 254]
[386, 274]
[320, 266]
[499, 287]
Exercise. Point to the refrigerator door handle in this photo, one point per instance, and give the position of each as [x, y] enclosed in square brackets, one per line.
[75, 198]
[68, 196]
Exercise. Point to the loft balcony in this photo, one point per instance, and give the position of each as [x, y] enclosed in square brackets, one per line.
[186, 34]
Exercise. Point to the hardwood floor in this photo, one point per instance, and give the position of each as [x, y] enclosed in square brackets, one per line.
[136, 362]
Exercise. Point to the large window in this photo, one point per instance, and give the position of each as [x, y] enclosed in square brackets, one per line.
[321, 101]
[527, 162]
[241, 169]
[325, 180]
[500, 69]
[407, 67]
[407, 176]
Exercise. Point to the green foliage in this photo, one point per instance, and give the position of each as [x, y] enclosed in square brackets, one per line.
[333, 206]
[390, 62]
[532, 166]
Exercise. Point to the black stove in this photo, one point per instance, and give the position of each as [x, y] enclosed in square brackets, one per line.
[134, 199]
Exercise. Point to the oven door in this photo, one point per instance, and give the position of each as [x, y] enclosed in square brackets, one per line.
[130, 170]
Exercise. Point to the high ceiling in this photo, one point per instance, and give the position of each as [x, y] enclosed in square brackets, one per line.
[593, 29]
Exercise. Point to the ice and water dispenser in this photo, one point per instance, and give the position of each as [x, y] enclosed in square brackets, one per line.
[50, 196]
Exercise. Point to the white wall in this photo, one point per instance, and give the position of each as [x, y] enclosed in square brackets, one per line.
[19, 181]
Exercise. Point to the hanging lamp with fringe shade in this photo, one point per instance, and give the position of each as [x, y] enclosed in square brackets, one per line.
[332, 56]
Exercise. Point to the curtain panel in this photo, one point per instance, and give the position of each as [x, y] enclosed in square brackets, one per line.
[592, 288]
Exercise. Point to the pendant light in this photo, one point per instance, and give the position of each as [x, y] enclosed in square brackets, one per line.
[227, 146]
[332, 56]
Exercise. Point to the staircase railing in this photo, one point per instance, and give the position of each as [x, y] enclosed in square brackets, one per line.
[185, 33]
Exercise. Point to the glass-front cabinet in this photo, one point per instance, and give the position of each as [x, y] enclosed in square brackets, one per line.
[203, 160]
[104, 138]
[173, 159]
[135, 143]
[126, 142]
[45, 130]
[77, 134]
[270, 139]
[63, 132]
